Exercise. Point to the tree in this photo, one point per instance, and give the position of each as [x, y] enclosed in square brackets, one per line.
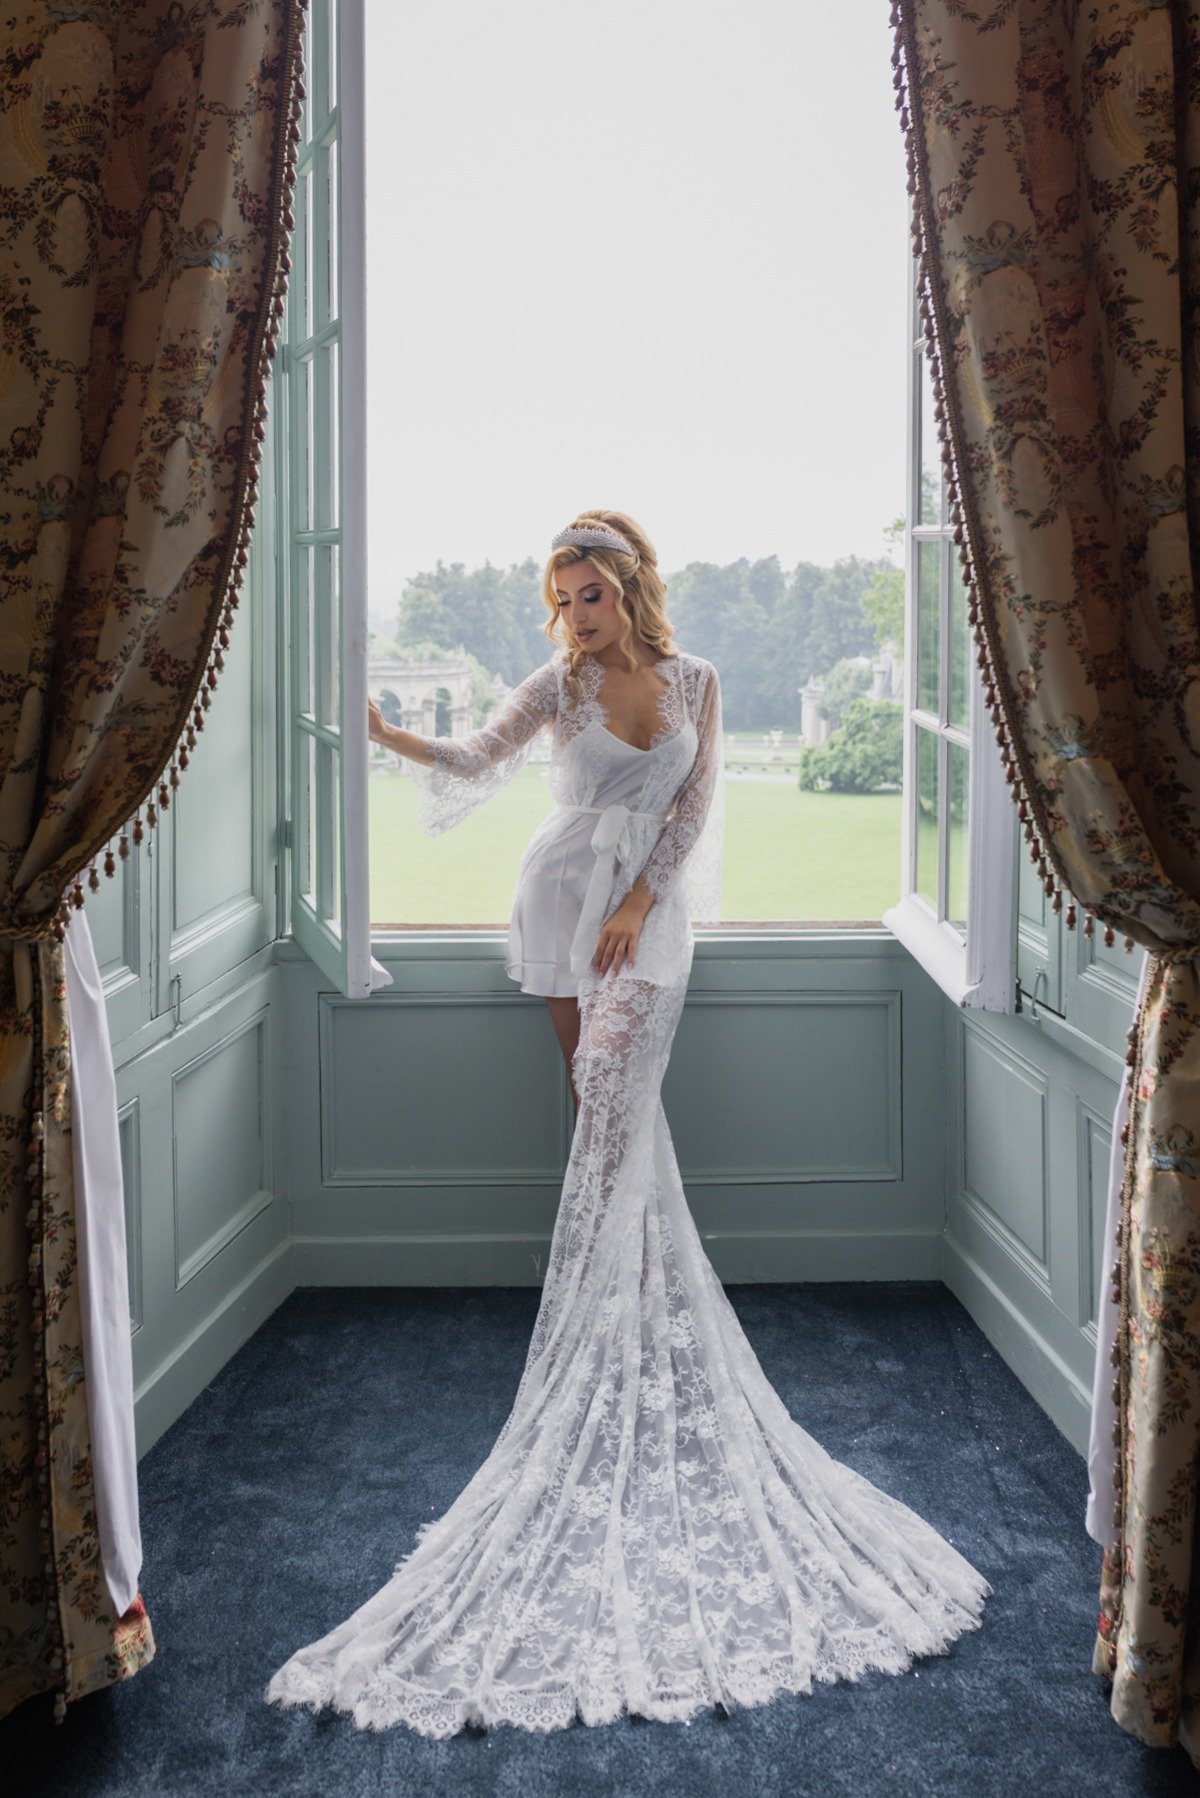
[865, 755]
[722, 613]
[846, 680]
[883, 601]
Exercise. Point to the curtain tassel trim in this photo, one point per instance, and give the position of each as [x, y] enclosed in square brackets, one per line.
[1016, 770]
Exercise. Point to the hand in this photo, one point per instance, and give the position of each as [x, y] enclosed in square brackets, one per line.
[378, 728]
[618, 936]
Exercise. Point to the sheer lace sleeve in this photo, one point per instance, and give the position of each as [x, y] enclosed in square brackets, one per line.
[691, 841]
[467, 770]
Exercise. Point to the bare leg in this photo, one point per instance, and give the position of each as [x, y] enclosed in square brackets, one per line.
[565, 1016]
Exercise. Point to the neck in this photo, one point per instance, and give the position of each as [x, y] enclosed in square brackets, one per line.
[611, 656]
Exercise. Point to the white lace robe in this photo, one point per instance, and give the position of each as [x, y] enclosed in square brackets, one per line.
[652, 1532]
[679, 778]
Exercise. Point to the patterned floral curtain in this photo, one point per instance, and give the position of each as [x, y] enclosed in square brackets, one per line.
[147, 159]
[1054, 168]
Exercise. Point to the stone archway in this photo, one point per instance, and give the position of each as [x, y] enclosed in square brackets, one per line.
[411, 686]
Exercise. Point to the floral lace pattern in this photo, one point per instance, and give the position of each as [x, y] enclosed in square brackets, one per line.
[684, 771]
[652, 1532]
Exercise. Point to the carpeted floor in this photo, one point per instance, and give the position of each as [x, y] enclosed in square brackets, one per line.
[282, 1498]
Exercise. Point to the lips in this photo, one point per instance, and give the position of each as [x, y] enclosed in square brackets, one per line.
[582, 634]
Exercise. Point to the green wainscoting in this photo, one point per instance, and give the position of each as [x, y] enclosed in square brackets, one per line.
[834, 1116]
[430, 1126]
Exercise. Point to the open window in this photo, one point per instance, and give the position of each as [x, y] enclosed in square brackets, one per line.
[319, 429]
[957, 909]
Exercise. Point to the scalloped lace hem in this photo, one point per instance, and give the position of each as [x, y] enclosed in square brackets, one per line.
[385, 1699]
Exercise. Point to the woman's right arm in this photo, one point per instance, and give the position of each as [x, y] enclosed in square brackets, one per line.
[408, 743]
[454, 775]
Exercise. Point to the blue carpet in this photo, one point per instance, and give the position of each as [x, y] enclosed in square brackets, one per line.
[282, 1498]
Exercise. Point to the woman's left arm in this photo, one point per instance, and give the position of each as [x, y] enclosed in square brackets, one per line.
[619, 934]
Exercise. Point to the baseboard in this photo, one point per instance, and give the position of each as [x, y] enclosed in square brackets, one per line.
[1036, 1363]
[738, 1257]
[166, 1393]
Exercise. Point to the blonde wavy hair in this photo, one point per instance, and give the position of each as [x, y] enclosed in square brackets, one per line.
[641, 593]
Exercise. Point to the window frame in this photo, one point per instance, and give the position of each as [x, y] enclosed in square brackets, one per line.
[978, 971]
[977, 967]
[322, 448]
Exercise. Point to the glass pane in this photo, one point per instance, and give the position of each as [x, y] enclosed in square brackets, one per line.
[926, 875]
[962, 657]
[306, 76]
[324, 641]
[957, 807]
[304, 817]
[335, 839]
[299, 279]
[325, 816]
[333, 8]
[317, 29]
[302, 445]
[306, 617]
[335, 635]
[329, 294]
[331, 487]
[929, 500]
[322, 471]
[929, 557]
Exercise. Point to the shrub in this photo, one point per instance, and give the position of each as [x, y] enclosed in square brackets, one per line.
[864, 756]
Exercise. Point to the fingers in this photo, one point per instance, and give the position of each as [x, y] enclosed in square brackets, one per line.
[613, 950]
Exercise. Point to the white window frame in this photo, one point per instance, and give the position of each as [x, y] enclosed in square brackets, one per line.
[976, 969]
[326, 843]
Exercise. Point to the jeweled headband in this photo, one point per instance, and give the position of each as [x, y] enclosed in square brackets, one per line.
[580, 536]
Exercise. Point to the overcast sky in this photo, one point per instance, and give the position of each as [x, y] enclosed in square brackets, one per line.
[649, 254]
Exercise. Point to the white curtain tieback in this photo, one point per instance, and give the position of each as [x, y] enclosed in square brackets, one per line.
[612, 842]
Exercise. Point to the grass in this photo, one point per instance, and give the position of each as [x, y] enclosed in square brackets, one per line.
[789, 856]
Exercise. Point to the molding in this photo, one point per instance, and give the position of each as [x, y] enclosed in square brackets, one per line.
[165, 1394]
[1036, 1266]
[1089, 1126]
[1036, 1363]
[787, 1257]
[263, 1195]
[129, 1116]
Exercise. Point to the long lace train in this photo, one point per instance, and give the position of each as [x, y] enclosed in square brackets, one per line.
[652, 1531]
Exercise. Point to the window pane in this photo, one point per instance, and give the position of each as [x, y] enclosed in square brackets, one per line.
[958, 805]
[329, 298]
[929, 556]
[926, 875]
[304, 819]
[324, 813]
[929, 499]
[299, 298]
[324, 648]
[306, 697]
[325, 474]
[961, 646]
[302, 445]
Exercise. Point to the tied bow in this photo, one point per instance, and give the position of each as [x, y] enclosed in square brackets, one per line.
[612, 840]
[612, 832]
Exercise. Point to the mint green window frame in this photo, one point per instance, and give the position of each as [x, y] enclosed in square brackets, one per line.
[319, 384]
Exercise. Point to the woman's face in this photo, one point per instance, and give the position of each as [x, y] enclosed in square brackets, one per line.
[588, 603]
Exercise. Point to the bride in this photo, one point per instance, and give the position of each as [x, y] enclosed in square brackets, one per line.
[652, 1532]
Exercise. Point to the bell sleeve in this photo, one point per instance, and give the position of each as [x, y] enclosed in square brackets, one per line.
[689, 846]
[467, 770]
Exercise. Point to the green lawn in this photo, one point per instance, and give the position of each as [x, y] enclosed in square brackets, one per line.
[789, 856]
